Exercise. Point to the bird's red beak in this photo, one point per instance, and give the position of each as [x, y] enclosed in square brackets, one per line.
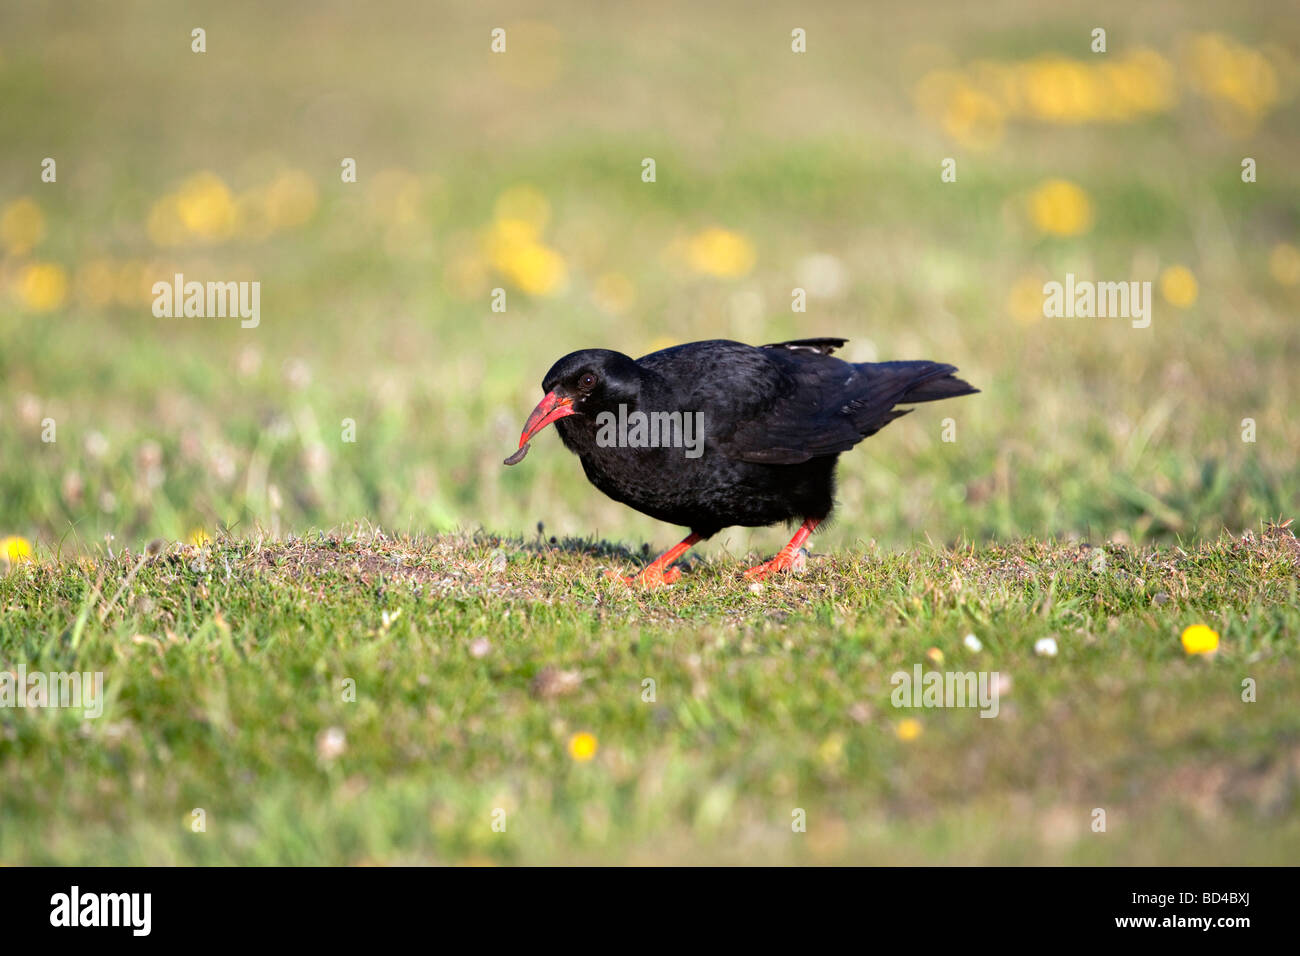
[549, 409]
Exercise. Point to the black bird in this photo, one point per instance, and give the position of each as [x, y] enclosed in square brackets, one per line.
[753, 441]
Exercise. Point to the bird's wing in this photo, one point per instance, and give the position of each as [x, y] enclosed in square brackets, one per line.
[823, 406]
[820, 346]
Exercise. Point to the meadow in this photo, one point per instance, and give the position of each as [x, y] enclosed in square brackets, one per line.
[228, 522]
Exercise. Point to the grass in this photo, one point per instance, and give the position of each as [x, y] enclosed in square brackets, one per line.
[126, 439]
[476, 659]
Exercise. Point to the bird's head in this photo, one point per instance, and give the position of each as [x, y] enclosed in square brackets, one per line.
[584, 383]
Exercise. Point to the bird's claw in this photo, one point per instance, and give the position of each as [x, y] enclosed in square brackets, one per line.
[648, 579]
[782, 562]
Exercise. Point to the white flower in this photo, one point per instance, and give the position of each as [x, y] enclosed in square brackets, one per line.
[1045, 647]
[331, 743]
[972, 643]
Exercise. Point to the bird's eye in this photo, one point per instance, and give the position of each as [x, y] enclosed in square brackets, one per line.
[587, 382]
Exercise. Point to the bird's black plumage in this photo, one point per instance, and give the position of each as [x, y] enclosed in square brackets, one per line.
[775, 420]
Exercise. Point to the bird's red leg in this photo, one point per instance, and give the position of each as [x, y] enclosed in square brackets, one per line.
[784, 559]
[658, 573]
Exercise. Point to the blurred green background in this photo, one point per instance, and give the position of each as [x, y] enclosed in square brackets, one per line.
[522, 170]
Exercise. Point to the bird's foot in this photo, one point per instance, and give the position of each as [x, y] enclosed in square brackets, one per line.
[784, 561]
[651, 577]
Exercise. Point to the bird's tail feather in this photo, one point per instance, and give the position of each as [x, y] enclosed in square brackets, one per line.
[903, 383]
[889, 384]
[945, 386]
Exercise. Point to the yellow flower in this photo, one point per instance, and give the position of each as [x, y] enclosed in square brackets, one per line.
[1058, 207]
[1284, 264]
[206, 207]
[1178, 286]
[199, 537]
[720, 252]
[22, 226]
[537, 269]
[582, 747]
[1060, 90]
[831, 750]
[1232, 75]
[516, 253]
[1138, 84]
[1199, 639]
[526, 204]
[973, 118]
[43, 286]
[973, 104]
[908, 729]
[15, 549]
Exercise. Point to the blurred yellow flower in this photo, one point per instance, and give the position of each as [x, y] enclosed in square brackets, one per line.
[202, 208]
[206, 206]
[1139, 84]
[1061, 90]
[22, 226]
[42, 286]
[1059, 207]
[1232, 75]
[524, 203]
[504, 234]
[536, 269]
[1284, 264]
[908, 729]
[198, 537]
[973, 118]
[1178, 286]
[1199, 639]
[973, 104]
[831, 750]
[516, 253]
[583, 746]
[15, 549]
[720, 252]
